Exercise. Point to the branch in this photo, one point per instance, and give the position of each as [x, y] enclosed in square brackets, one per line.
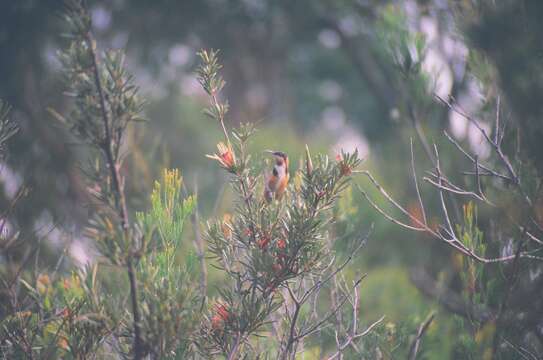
[453, 190]
[291, 337]
[414, 348]
[525, 353]
[441, 197]
[490, 171]
[419, 197]
[120, 200]
[315, 327]
[235, 348]
[451, 240]
[495, 145]
[351, 338]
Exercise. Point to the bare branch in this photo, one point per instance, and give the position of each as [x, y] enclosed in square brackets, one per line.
[327, 317]
[497, 122]
[350, 339]
[456, 191]
[393, 202]
[495, 145]
[526, 354]
[415, 344]
[387, 216]
[421, 204]
[441, 197]
[451, 240]
[490, 171]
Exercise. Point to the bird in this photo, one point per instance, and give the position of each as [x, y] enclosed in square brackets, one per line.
[277, 181]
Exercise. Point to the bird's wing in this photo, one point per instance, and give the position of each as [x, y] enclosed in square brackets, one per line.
[272, 182]
[281, 186]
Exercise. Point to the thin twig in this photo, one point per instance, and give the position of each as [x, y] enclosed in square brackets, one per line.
[350, 340]
[419, 197]
[330, 314]
[234, 351]
[497, 121]
[441, 197]
[421, 227]
[392, 201]
[478, 178]
[483, 167]
[217, 104]
[414, 348]
[456, 191]
[495, 145]
[526, 354]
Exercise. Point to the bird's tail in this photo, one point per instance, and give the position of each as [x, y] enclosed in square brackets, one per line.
[268, 195]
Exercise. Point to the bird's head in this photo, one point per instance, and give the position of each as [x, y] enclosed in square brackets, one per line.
[280, 157]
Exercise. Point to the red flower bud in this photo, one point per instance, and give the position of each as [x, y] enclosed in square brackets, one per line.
[221, 316]
[225, 156]
[344, 168]
[263, 242]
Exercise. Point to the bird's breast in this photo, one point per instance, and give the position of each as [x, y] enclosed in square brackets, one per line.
[277, 177]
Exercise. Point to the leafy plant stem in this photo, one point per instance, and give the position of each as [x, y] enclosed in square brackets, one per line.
[120, 201]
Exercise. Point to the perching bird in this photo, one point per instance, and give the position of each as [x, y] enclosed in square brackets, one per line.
[277, 181]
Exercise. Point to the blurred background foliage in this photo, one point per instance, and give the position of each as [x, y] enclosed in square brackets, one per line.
[332, 74]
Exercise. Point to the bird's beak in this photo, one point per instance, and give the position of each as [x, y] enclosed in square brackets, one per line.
[269, 152]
